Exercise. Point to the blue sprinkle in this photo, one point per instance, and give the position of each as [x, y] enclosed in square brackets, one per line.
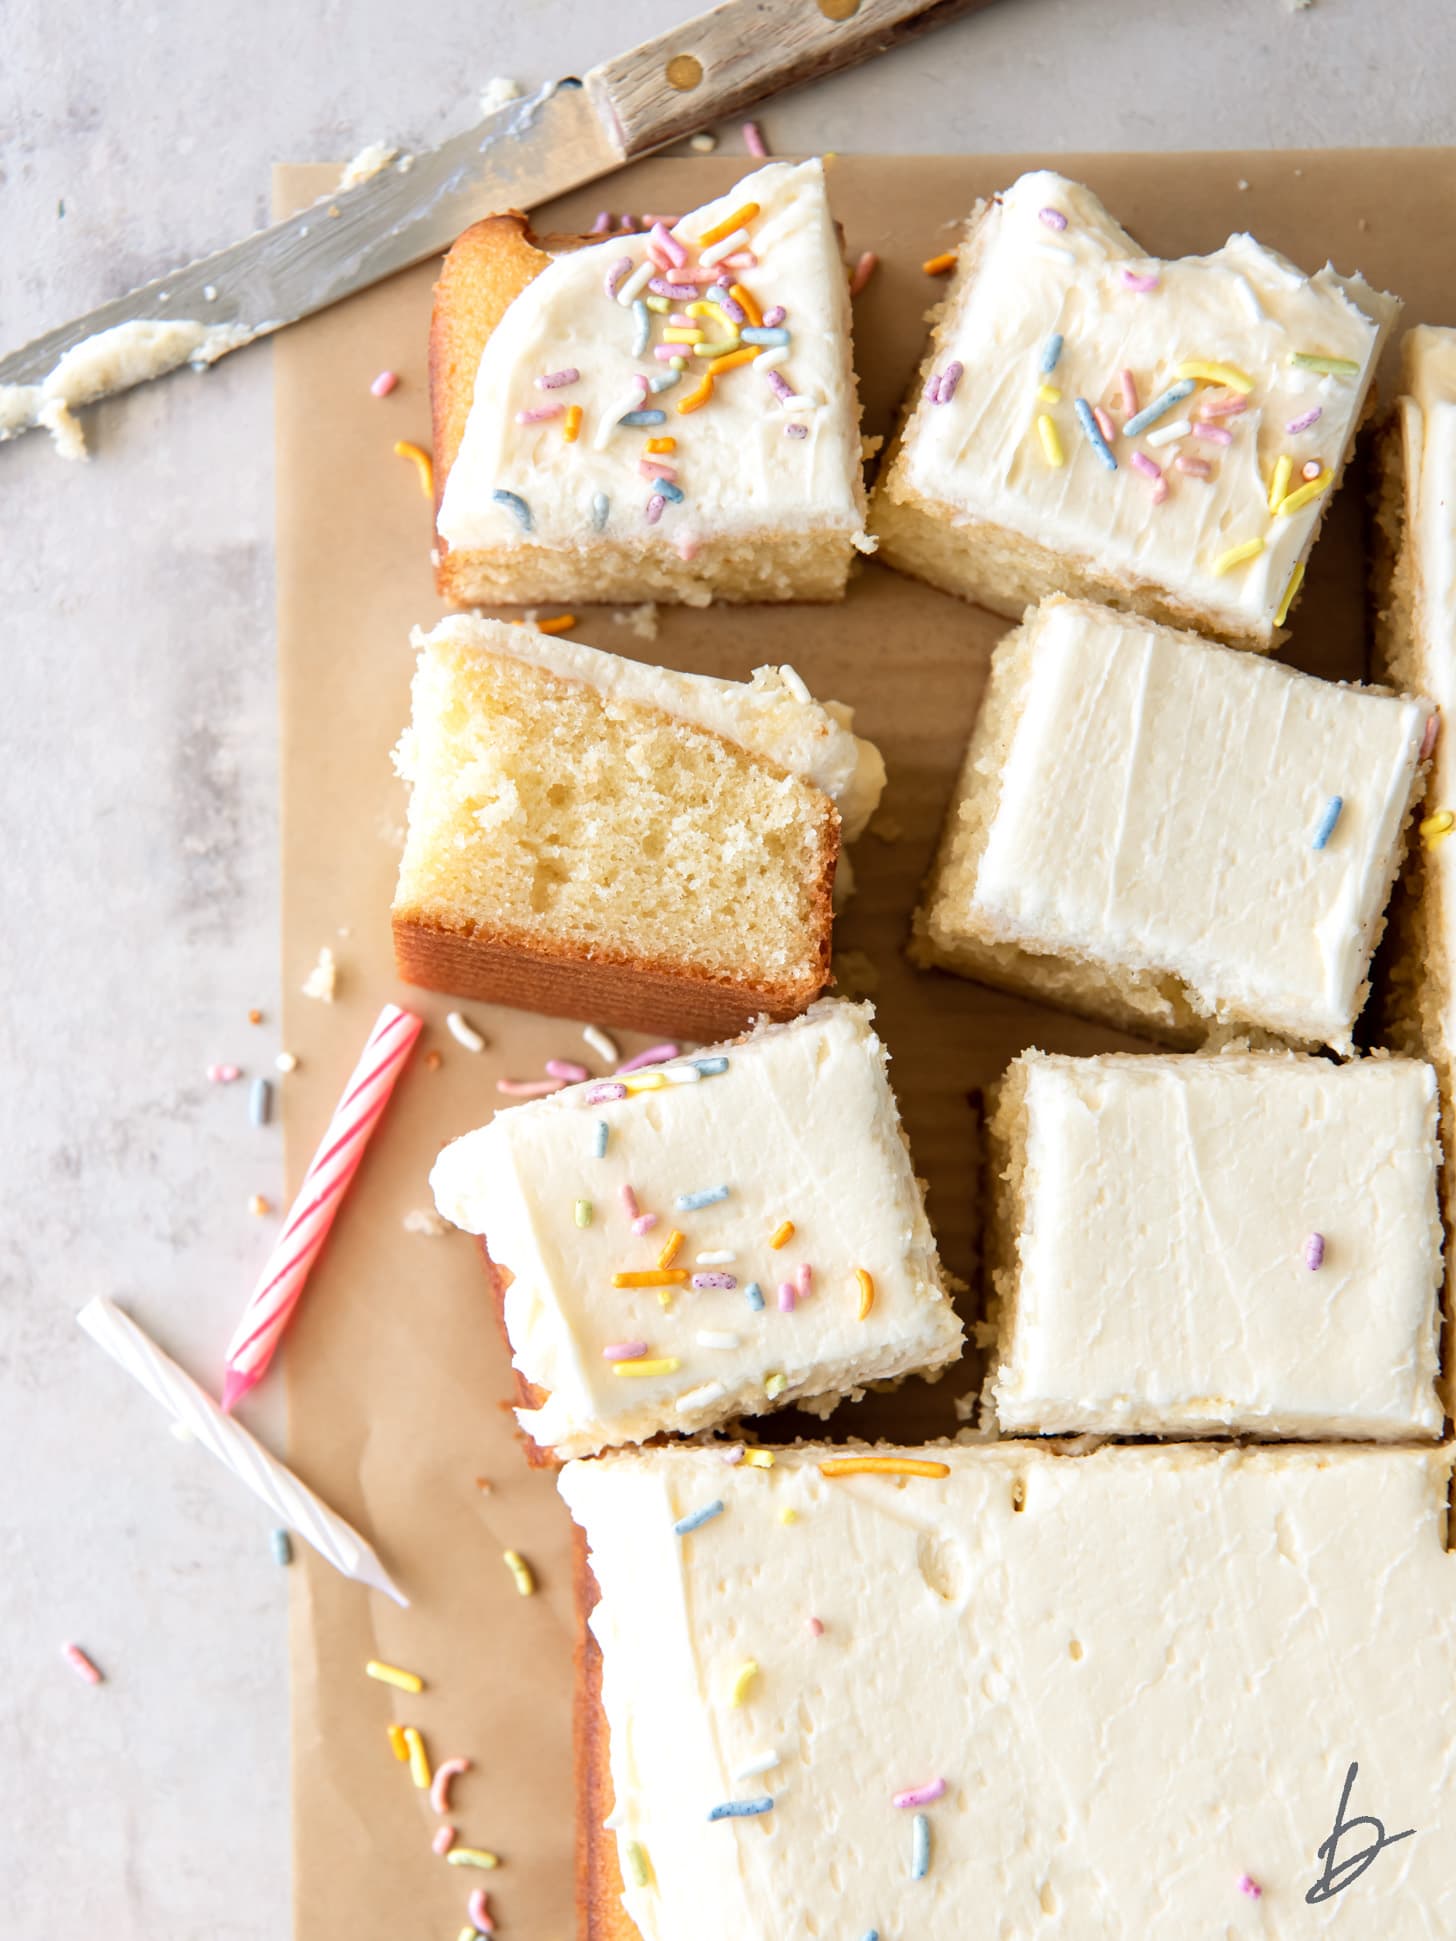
[1094, 436]
[1150, 413]
[685, 1525]
[710, 1067]
[282, 1547]
[741, 1809]
[260, 1102]
[601, 506]
[668, 490]
[920, 1848]
[753, 1293]
[710, 1196]
[643, 418]
[517, 505]
[872, 1935]
[599, 1140]
[1051, 350]
[1323, 833]
[642, 317]
[763, 334]
[665, 382]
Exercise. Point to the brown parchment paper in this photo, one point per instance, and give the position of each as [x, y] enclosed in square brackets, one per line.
[397, 1381]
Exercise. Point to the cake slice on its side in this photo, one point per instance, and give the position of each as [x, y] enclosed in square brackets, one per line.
[1190, 1246]
[919, 1700]
[1164, 437]
[592, 837]
[709, 1239]
[1170, 835]
[647, 418]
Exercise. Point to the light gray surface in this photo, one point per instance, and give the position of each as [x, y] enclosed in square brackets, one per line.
[138, 786]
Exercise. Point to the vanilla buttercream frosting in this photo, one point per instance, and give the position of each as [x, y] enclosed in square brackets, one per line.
[1123, 1691]
[779, 1162]
[1199, 1245]
[763, 452]
[1054, 304]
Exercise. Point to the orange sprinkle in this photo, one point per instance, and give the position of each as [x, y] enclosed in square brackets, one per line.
[695, 399]
[652, 1277]
[727, 226]
[730, 360]
[422, 462]
[782, 1234]
[662, 444]
[748, 303]
[882, 1466]
[571, 430]
[866, 1292]
[938, 265]
[399, 1743]
[670, 1249]
[560, 623]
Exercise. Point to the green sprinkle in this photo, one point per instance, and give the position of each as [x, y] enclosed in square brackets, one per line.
[583, 1213]
[639, 1867]
[1308, 360]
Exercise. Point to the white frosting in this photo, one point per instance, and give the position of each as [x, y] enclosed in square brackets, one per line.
[802, 1126]
[738, 469]
[981, 454]
[1143, 1675]
[363, 167]
[771, 716]
[1157, 809]
[1166, 1206]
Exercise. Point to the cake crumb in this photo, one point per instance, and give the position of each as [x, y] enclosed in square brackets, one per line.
[499, 91]
[702, 143]
[424, 1220]
[373, 157]
[322, 981]
[886, 828]
[855, 974]
[641, 620]
[286, 1061]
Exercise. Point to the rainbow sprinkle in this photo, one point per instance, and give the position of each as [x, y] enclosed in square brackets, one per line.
[1248, 1885]
[639, 1867]
[1304, 421]
[1053, 218]
[788, 1297]
[866, 1293]
[1051, 351]
[742, 1681]
[601, 506]
[581, 1212]
[882, 1466]
[553, 380]
[1296, 501]
[1229, 375]
[1143, 281]
[781, 1235]
[1326, 826]
[663, 1365]
[702, 1282]
[695, 1519]
[625, 1351]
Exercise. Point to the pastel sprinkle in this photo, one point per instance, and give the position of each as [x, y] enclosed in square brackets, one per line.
[639, 1870]
[864, 269]
[440, 1785]
[1428, 738]
[815, 1627]
[742, 1680]
[741, 1809]
[1127, 383]
[711, 1067]
[866, 1293]
[384, 384]
[1296, 580]
[641, 328]
[1214, 434]
[403, 1681]
[1198, 468]
[78, 1661]
[1226, 404]
[471, 1857]
[606, 1092]
[1236, 555]
[668, 244]
[651, 1277]
[654, 1055]
[1248, 1885]
[648, 1369]
[762, 1762]
[529, 1088]
[718, 252]
[1164, 402]
[1304, 421]
[540, 415]
[601, 1133]
[553, 380]
[224, 1074]
[581, 1212]
[788, 1297]
[1279, 480]
[419, 1759]
[1310, 469]
[671, 1247]
[919, 1847]
[644, 1223]
[1051, 443]
[695, 1519]
[796, 431]
[753, 1294]
[934, 1789]
[1143, 281]
[1209, 373]
[806, 1281]
[1306, 360]
[691, 1202]
[1169, 434]
[759, 1458]
[601, 506]
[762, 334]
[479, 1910]
[1326, 825]
[598, 1041]
[719, 1257]
[774, 1386]
[444, 1839]
[636, 283]
[1297, 500]
[1094, 434]
[1150, 470]
[1048, 394]
[282, 1547]
[525, 1578]
[774, 316]
[649, 417]
[1053, 218]
[781, 1235]
[1104, 423]
[753, 139]
[1051, 351]
[1055, 251]
[624, 1351]
[655, 507]
[1434, 827]
[398, 1743]
[513, 502]
[667, 490]
[716, 1338]
[882, 1466]
[620, 267]
[424, 465]
[1314, 1252]
[939, 265]
[260, 1102]
[704, 1281]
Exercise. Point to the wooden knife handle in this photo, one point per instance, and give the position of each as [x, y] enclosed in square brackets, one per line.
[736, 55]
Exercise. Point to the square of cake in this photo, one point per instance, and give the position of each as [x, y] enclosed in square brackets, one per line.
[593, 837]
[707, 1239]
[1089, 419]
[1144, 1694]
[669, 415]
[1170, 835]
[1190, 1245]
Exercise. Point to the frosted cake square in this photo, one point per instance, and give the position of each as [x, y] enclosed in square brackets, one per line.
[709, 1239]
[1161, 436]
[1172, 836]
[1189, 1246]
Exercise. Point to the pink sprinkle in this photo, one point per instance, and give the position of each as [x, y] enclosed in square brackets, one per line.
[619, 269]
[440, 1784]
[920, 1795]
[1304, 421]
[1104, 423]
[733, 1454]
[665, 353]
[680, 320]
[624, 1351]
[541, 413]
[656, 506]
[1250, 1886]
[479, 1910]
[384, 384]
[79, 1662]
[1147, 466]
[741, 259]
[1053, 218]
[659, 258]
[1314, 1252]
[774, 316]
[1197, 468]
[568, 1069]
[945, 385]
[553, 380]
[753, 139]
[444, 1839]
[806, 1281]
[777, 384]
[1213, 434]
[1428, 739]
[604, 1093]
[676, 292]
[701, 1281]
[732, 309]
[602, 223]
[644, 1223]
[816, 1628]
[223, 1074]
[669, 244]
[864, 269]
[1227, 406]
[629, 1198]
[628, 225]
[796, 431]
[1140, 280]
[1129, 395]
[788, 1297]
[655, 468]
[688, 547]
[654, 1055]
[1311, 469]
[529, 1088]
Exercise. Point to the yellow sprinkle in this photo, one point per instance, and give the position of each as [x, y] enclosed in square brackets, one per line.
[1228, 374]
[695, 399]
[560, 624]
[651, 1277]
[882, 1466]
[657, 304]
[1236, 555]
[1049, 394]
[743, 1678]
[1279, 483]
[727, 226]
[645, 1082]
[747, 303]
[422, 462]
[681, 334]
[731, 360]
[1296, 501]
[472, 1857]
[938, 265]
[781, 1235]
[787, 1515]
[866, 1292]
[1308, 360]
[1296, 580]
[671, 1247]
[665, 1299]
[661, 445]
[521, 1571]
[664, 1365]
[571, 429]
[774, 1386]
[1051, 444]
[404, 1681]
[419, 1759]
[759, 1458]
[1437, 825]
[639, 1867]
[720, 347]
[398, 1743]
[703, 308]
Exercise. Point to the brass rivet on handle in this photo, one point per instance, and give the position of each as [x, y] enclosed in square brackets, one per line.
[838, 9]
[684, 71]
